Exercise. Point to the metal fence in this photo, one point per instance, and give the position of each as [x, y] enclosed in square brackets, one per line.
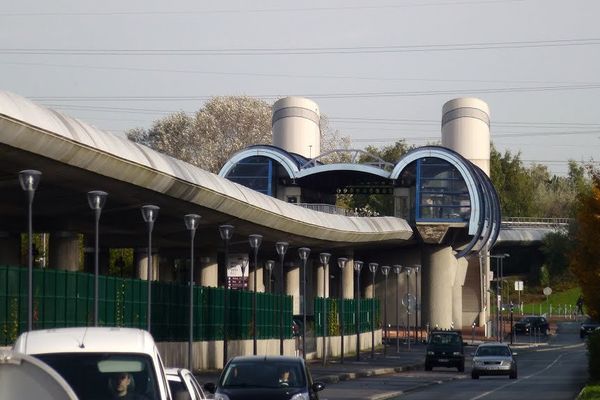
[66, 298]
[333, 320]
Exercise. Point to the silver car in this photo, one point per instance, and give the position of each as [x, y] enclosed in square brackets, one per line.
[494, 359]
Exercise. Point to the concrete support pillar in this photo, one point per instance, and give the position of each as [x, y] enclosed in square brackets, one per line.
[10, 248]
[65, 251]
[292, 285]
[348, 289]
[260, 282]
[438, 276]
[457, 292]
[323, 281]
[141, 256]
[208, 273]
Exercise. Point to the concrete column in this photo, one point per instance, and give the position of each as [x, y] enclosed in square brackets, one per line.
[208, 272]
[141, 256]
[322, 276]
[10, 248]
[438, 276]
[64, 251]
[292, 285]
[457, 290]
[260, 285]
[348, 289]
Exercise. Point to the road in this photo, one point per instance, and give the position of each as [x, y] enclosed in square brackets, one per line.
[554, 370]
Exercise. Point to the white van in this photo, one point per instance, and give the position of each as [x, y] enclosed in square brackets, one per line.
[100, 363]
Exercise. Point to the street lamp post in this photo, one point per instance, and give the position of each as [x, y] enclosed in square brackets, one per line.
[357, 267]
[29, 180]
[269, 264]
[408, 272]
[96, 200]
[149, 213]
[398, 271]
[281, 248]
[255, 241]
[342, 263]
[417, 268]
[499, 279]
[226, 233]
[373, 269]
[245, 263]
[324, 258]
[191, 223]
[303, 253]
[385, 270]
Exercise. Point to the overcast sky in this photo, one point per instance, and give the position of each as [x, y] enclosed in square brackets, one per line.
[381, 70]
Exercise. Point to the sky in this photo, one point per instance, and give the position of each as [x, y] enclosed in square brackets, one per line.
[380, 70]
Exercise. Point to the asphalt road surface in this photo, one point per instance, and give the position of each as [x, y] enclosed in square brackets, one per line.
[554, 370]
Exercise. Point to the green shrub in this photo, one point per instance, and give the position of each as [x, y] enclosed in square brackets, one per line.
[593, 345]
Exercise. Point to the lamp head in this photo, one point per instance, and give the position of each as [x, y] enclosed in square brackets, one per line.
[281, 248]
[269, 265]
[342, 262]
[408, 270]
[417, 268]
[385, 270]
[324, 258]
[358, 265]
[303, 253]
[397, 269]
[373, 267]
[191, 221]
[96, 199]
[29, 179]
[150, 213]
[255, 241]
[226, 231]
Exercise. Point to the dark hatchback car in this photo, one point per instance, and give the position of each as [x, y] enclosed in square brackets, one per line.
[445, 349]
[532, 324]
[587, 327]
[267, 378]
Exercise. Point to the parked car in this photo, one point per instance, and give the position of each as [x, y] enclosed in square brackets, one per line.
[587, 327]
[183, 385]
[445, 349]
[532, 324]
[494, 358]
[99, 362]
[265, 377]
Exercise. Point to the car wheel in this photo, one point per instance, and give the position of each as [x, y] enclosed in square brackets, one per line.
[474, 375]
[513, 375]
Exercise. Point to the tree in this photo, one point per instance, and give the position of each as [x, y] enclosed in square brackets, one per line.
[585, 258]
[513, 184]
[213, 134]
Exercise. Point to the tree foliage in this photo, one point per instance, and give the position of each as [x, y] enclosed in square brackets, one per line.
[585, 258]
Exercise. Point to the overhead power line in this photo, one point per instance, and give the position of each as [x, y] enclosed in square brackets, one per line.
[306, 50]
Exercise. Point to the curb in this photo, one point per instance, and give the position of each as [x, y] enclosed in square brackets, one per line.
[345, 376]
[391, 395]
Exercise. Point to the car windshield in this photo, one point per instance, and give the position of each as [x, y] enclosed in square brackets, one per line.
[265, 375]
[445, 338]
[486, 351]
[93, 375]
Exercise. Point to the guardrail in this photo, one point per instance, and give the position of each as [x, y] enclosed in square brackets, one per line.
[532, 222]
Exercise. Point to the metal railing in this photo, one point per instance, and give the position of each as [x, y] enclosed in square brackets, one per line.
[533, 222]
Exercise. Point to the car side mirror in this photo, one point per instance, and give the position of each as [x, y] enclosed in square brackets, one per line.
[472, 354]
[318, 386]
[465, 344]
[515, 354]
[210, 387]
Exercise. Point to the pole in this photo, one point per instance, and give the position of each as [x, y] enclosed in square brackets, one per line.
[342, 314]
[385, 332]
[357, 315]
[417, 313]
[397, 312]
[191, 337]
[30, 261]
[254, 344]
[226, 303]
[324, 313]
[281, 292]
[373, 318]
[408, 308]
[96, 272]
[149, 276]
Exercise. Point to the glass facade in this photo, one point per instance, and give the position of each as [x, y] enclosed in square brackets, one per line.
[257, 173]
[442, 194]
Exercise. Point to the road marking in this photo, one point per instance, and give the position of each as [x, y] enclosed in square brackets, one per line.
[517, 381]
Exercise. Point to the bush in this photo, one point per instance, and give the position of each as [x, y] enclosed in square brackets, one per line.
[593, 345]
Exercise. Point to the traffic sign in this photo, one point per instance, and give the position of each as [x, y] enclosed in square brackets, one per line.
[547, 291]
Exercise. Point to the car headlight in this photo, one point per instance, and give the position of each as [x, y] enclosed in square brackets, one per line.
[220, 396]
[300, 396]
[506, 363]
[456, 353]
[430, 353]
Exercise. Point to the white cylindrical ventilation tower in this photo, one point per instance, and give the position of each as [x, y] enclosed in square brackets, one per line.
[296, 126]
[466, 130]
